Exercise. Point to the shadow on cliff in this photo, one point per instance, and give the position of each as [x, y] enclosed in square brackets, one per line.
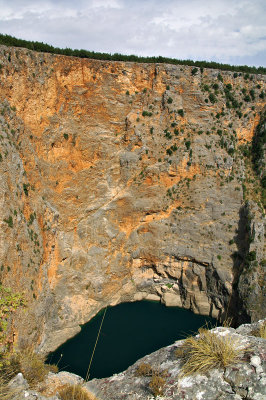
[236, 307]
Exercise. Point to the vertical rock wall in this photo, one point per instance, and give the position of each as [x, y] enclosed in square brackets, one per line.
[123, 181]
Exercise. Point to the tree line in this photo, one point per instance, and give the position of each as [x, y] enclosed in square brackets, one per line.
[8, 40]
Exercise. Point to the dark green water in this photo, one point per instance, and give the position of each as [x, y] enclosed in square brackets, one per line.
[129, 332]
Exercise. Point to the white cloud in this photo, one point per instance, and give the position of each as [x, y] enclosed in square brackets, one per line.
[219, 30]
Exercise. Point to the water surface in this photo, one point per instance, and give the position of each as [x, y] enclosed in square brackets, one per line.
[129, 332]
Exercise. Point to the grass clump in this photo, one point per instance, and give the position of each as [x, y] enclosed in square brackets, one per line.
[7, 393]
[75, 392]
[158, 378]
[207, 351]
[144, 369]
[33, 367]
[157, 384]
[30, 364]
[260, 331]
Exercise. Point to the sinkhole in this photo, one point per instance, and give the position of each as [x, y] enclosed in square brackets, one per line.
[129, 332]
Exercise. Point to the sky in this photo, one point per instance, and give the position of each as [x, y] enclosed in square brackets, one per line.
[226, 31]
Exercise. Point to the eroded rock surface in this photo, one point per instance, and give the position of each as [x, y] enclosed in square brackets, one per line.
[243, 380]
[122, 181]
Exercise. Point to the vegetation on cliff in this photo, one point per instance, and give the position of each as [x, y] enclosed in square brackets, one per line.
[208, 350]
[8, 40]
[9, 302]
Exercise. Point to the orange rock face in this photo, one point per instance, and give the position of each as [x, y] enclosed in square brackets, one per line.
[120, 180]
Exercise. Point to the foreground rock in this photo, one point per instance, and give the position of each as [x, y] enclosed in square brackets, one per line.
[243, 380]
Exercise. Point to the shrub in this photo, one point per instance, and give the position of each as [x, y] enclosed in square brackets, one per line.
[9, 302]
[208, 351]
[194, 71]
[252, 94]
[75, 392]
[65, 136]
[187, 144]
[26, 188]
[212, 98]
[169, 100]
[220, 78]
[181, 112]
[9, 221]
[251, 256]
[146, 114]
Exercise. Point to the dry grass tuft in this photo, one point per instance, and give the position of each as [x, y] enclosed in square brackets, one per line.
[208, 351]
[157, 384]
[7, 393]
[144, 369]
[33, 367]
[30, 364]
[75, 392]
[158, 378]
[262, 330]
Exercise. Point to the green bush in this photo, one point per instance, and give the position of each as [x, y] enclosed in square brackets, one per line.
[146, 113]
[9, 221]
[188, 144]
[181, 112]
[212, 98]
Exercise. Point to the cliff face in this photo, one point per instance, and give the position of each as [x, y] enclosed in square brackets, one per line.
[124, 181]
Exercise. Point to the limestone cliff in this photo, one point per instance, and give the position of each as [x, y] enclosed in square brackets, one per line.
[123, 181]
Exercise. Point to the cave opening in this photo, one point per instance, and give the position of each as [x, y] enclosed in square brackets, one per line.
[129, 332]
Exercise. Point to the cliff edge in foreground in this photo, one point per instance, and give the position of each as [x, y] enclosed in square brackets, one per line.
[244, 379]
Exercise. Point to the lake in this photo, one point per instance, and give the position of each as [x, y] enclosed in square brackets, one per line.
[129, 332]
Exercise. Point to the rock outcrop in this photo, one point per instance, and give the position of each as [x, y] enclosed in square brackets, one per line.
[122, 181]
[243, 380]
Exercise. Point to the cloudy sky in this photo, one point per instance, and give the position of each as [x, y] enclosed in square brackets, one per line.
[227, 31]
